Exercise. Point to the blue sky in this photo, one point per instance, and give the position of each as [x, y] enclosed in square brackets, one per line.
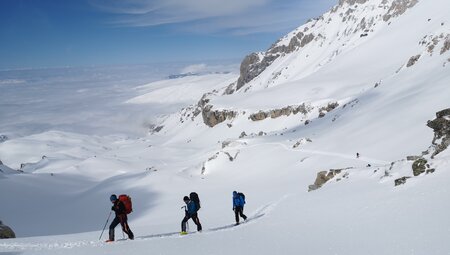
[53, 33]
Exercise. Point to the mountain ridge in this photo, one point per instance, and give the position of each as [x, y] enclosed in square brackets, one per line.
[269, 69]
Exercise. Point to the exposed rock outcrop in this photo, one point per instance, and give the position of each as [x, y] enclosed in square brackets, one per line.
[446, 46]
[323, 177]
[441, 128]
[419, 166]
[242, 135]
[251, 66]
[328, 108]
[413, 60]
[401, 181]
[258, 116]
[276, 113]
[255, 63]
[6, 232]
[212, 118]
[398, 7]
[155, 129]
[301, 142]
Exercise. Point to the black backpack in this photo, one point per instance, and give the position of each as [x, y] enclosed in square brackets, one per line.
[240, 194]
[194, 197]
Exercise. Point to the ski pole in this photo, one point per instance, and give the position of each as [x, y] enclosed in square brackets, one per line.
[187, 223]
[105, 225]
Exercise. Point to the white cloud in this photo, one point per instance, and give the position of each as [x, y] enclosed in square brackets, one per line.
[209, 16]
[212, 67]
[192, 8]
[194, 68]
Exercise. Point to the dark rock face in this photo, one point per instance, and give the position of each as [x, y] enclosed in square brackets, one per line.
[399, 7]
[258, 116]
[431, 170]
[286, 111]
[155, 129]
[250, 68]
[441, 128]
[276, 113]
[212, 118]
[419, 166]
[6, 232]
[306, 39]
[446, 46]
[413, 60]
[401, 181]
[254, 64]
[243, 134]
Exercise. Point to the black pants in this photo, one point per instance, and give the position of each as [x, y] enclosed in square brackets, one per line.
[239, 210]
[194, 218]
[122, 219]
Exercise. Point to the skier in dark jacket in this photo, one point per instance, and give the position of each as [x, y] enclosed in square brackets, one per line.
[238, 206]
[121, 217]
[190, 212]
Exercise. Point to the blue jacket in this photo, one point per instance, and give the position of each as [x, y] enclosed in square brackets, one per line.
[191, 207]
[238, 201]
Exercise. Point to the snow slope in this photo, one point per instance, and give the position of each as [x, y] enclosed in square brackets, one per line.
[59, 204]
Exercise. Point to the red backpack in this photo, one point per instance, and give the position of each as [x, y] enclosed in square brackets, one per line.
[126, 200]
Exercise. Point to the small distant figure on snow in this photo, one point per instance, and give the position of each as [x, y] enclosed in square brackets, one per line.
[191, 209]
[369, 165]
[238, 205]
[357, 155]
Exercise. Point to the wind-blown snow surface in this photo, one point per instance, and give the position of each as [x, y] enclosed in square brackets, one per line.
[60, 203]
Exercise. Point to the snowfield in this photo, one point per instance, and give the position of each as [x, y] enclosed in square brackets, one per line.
[70, 144]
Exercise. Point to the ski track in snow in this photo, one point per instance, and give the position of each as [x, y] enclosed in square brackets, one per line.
[325, 153]
[19, 246]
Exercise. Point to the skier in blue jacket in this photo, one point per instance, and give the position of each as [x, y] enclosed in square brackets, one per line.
[190, 212]
[238, 206]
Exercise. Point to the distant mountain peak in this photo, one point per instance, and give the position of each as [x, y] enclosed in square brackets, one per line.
[344, 22]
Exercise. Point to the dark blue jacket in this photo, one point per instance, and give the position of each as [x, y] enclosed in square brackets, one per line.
[191, 207]
[119, 208]
[238, 201]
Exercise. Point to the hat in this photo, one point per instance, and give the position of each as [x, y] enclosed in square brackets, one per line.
[113, 198]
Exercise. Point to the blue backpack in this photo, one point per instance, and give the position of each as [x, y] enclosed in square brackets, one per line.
[241, 195]
[194, 197]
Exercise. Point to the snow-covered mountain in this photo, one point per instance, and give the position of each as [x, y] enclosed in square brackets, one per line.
[337, 134]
